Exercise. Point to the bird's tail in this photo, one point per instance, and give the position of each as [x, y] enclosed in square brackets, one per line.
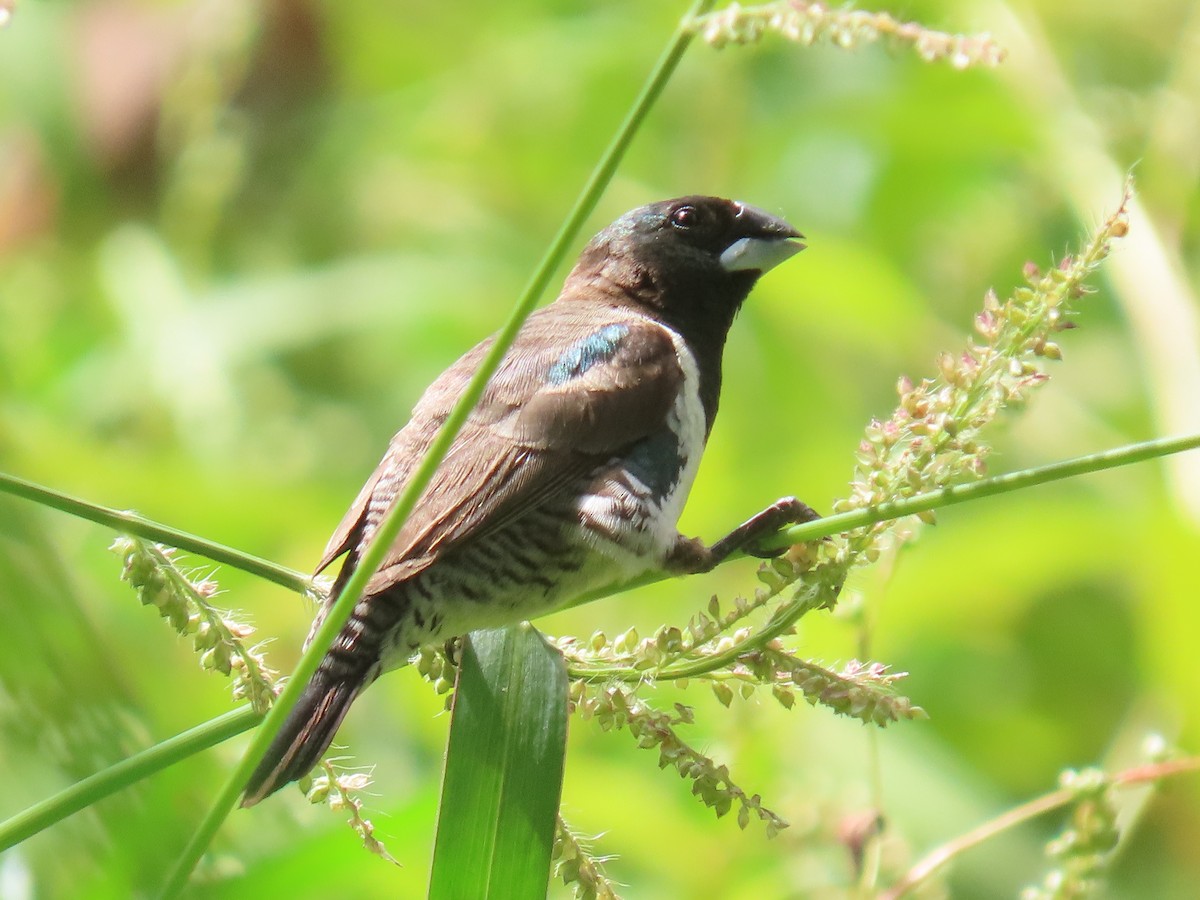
[306, 734]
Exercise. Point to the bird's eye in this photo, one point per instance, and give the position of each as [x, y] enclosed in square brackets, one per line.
[685, 217]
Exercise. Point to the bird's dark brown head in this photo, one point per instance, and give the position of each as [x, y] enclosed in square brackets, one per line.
[689, 261]
[690, 264]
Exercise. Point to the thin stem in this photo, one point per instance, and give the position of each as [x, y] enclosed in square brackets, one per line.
[1034, 808]
[859, 518]
[987, 487]
[142, 765]
[128, 522]
[373, 556]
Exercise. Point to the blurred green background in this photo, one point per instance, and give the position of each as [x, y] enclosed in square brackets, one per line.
[238, 239]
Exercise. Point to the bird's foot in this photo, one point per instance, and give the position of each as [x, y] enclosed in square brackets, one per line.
[690, 556]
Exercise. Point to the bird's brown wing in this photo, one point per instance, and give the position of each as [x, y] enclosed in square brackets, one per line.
[554, 411]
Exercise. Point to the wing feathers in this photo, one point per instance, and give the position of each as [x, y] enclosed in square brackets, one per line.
[548, 417]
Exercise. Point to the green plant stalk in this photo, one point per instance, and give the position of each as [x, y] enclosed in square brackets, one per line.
[375, 552]
[129, 771]
[933, 861]
[859, 518]
[128, 522]
[987, 487]
[786, 616]
[827, 526]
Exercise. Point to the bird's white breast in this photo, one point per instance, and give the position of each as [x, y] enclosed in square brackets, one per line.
[645, 519]
[687, 420]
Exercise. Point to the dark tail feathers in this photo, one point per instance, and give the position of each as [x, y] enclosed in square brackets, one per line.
[305, 736]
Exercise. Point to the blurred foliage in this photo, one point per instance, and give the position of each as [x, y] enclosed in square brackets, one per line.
[238, 239]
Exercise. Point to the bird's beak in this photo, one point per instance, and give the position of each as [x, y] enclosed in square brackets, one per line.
[768, 241]
[758, 254]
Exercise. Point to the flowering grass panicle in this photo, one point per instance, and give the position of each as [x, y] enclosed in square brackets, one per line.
[577, 867]
[616, 706]
[809, 23]
[1081, 850]
[339, 790]
[183, 599]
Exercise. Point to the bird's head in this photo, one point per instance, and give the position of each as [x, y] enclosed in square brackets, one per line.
[689, 258]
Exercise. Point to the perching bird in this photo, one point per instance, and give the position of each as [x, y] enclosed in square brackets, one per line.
[570, 473]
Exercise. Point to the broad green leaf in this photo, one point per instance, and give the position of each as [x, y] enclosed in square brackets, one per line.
[504, 768]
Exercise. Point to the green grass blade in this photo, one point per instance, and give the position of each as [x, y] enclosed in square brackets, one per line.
[128, 522]
[504, 768]
[129, 771]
